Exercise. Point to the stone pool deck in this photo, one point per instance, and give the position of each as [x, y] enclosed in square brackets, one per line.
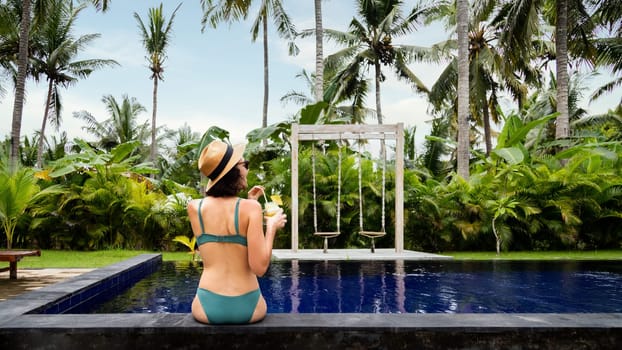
[354, 254]
[20, 329]
[33, 279]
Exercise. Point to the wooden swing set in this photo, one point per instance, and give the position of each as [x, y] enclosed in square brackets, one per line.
[350, 132]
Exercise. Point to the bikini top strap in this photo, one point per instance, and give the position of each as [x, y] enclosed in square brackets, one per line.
[200, 217]
[237, 212]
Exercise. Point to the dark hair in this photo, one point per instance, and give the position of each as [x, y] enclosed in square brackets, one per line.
[228, 185]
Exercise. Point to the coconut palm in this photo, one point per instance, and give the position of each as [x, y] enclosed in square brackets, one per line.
[9, 42]
[20, 82]
[544, 102]
[353, 110]
[178, 166]
[234, 10]
[100, 5]
[319, 51]
[370, 42]
[155, 40]
[57, 50]
[489, 73]
[574, 32]
[22, 65]
[609, 49]
[122, 125]
[610, 55]
[462, 15]
[608, 125]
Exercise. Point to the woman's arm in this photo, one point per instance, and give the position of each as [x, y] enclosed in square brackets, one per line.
[193, 215]
[255, 192]
[260, 245]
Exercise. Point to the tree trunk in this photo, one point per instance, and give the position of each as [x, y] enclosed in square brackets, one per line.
[497, 238]
[42, 133]
[561, 51]
[20, 85]
[377, 80]
[264, 120]
[319, 53]
[378, 106]
[154, 146]
[463, 89]
[487, 135]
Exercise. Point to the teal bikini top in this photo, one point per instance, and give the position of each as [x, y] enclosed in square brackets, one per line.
[208, 237]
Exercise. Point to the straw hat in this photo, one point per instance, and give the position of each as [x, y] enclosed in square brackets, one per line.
[217, 159]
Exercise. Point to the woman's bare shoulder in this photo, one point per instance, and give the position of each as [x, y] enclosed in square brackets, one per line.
[193, 205]
[250, 204]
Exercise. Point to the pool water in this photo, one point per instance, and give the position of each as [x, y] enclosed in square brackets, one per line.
[397, 287]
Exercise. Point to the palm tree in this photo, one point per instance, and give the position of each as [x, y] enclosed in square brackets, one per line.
[574, 31]
[155, 40]
[410, 147]
[56, 51]
[22, 67]
[562, 129]
[9, 42]
[121, 127]
[489, 72]
[20, 83]
[179, 166]
[544, 102]
[353, 112]
[319, 52]
[609, 49]
[370, 42]
[100, 5]
[462, 15]
[234, 10]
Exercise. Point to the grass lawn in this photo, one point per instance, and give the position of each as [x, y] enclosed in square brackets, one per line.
[78, 259]
[552, 255]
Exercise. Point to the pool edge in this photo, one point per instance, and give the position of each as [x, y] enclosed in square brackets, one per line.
[303, 331]
[318, 331]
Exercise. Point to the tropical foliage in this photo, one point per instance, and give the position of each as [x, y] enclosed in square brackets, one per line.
[20, 192]
[528, 189]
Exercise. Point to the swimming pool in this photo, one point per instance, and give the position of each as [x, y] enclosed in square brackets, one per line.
[396, 287]
[42, 319]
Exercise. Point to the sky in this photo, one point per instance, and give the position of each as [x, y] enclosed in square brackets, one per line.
[215, 77]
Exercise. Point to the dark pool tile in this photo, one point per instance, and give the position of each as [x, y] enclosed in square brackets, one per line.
[59, 297]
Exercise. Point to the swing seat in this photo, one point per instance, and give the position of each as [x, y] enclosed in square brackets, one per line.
[372, 235]
[326, 236]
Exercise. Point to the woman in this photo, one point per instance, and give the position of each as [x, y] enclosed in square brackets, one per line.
[230, 237]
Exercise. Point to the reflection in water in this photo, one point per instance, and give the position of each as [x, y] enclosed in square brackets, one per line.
[399, 287]
[447, 287]
[400, 290]
[294, 291]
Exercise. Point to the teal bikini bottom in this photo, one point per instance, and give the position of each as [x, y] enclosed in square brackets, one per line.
[221, 309]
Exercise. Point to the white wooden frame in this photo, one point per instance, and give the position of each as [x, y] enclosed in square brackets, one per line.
[395, 132]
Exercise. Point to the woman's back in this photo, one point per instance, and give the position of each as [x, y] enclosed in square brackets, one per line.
[223, 248]
[231, 239]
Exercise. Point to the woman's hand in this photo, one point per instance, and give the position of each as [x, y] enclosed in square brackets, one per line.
[255, 192]
[276, 221]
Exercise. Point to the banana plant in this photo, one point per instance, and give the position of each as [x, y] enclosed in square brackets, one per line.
[190, 243]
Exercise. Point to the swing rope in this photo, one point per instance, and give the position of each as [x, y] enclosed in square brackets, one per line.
[382, 232]
[326, 235]
[314, 194]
